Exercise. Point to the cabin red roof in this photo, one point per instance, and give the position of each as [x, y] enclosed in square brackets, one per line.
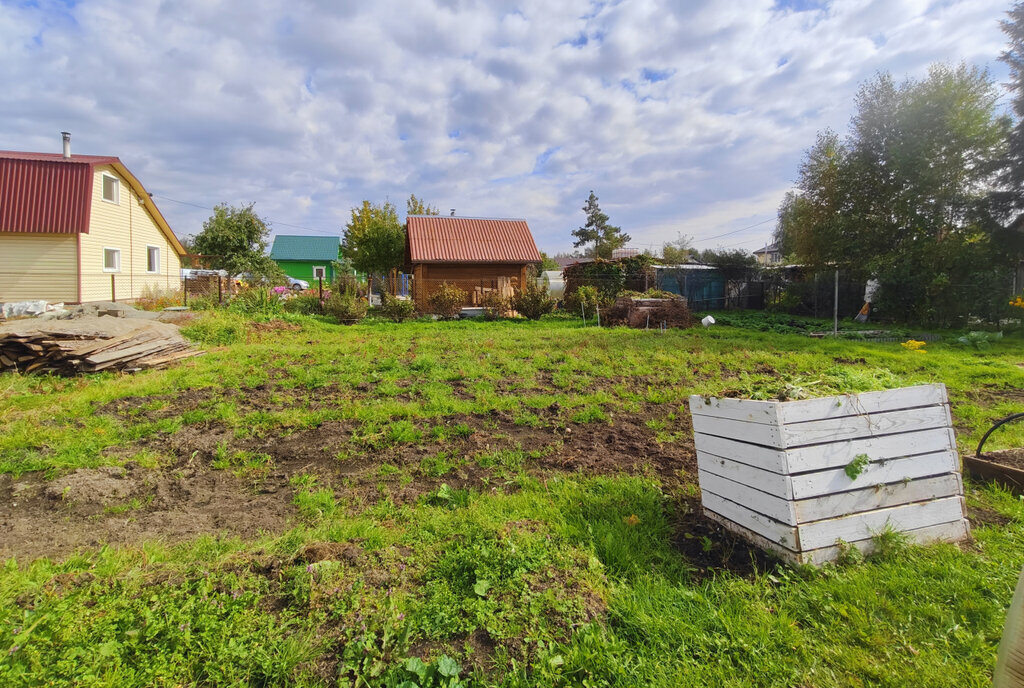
[439, 239]
[46, 192]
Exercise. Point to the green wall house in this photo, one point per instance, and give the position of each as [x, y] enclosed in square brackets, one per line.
[306, 257]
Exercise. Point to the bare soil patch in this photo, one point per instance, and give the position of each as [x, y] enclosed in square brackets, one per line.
[188, 497]
[90, 507]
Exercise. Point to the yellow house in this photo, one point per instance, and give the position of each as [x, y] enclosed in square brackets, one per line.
[80, 228]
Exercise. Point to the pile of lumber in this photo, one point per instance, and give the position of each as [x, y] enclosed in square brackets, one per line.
[78, 346]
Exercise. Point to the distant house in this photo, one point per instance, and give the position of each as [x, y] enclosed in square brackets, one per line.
[80, 228]
[306, 257]
[769, 255]
[476, 254]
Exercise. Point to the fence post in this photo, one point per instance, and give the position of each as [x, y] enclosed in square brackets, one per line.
[113, 293]
[220, 292]
[835, 308]
[184, 291]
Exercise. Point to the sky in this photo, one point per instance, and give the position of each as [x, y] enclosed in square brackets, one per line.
[685, 118]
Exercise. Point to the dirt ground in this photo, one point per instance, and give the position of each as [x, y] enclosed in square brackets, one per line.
[187, 497]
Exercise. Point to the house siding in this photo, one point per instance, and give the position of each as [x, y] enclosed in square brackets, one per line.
[129, 227]
[303, 269]
[38, 266]
[428, 277]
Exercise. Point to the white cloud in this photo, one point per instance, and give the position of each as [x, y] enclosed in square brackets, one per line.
[684, 117]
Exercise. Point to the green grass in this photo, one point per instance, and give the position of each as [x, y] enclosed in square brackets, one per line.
[516, 577]
[404, 382]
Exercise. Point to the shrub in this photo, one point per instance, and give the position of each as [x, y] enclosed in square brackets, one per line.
[256, 301]
[585, 301]
[447, 301]
[345, 307]
[533, 301]
[216, 328]
[394, 308]
[203, 303]
[305, 303]
[495, 305]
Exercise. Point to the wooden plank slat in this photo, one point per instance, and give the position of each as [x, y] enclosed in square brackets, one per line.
[864, 403]
[838, 454]
[855, 427]
[766, 527]
[824, 456]
[763, 434]
[783, 412]
[764, 458]
[875, 473]
[863, 526]
[832, 506]
[772, 482]
[746, 410]
[877, 497]
[823, 431]
[772, 506]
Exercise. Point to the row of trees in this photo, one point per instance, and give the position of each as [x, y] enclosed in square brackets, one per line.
[235, 239]
[922, 194]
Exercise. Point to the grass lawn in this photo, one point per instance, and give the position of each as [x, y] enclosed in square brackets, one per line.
[455, 504]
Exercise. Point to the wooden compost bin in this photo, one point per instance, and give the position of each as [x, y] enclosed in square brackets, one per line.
[774, 471]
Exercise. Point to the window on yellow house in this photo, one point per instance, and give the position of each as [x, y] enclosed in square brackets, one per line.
[111, 189]
[152, 259]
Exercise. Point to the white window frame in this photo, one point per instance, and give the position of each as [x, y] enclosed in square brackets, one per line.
[117, 252]
[157, 249]
[117, 189]
[322, 268]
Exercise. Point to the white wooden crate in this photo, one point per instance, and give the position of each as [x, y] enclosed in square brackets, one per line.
[774, 471]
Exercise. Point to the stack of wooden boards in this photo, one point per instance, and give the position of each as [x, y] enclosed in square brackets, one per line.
[806, 478]
[88, 345]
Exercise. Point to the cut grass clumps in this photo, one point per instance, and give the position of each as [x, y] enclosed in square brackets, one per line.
[216, 328]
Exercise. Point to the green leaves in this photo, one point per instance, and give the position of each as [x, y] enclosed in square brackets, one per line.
[481, 587]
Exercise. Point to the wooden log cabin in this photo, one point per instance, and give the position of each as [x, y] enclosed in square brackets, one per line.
[477, 255]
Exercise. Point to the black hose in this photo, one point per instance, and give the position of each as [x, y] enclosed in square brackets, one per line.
[1012, 416]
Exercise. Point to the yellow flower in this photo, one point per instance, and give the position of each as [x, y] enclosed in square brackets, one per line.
[914, 345]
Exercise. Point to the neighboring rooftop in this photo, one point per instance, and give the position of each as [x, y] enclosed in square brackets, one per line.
[296, 247]
[445, 239]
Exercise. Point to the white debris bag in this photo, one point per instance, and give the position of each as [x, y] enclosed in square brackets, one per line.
[707, 321]
[35, 307]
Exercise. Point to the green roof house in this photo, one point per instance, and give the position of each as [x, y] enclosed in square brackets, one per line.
[306, 257]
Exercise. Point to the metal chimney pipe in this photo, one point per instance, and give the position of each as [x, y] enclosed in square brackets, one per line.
[67, 143]
[453, 212]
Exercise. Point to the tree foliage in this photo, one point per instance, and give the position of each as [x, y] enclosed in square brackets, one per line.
[1011, 200]
[905, 197]
[605, 237]
[734, 263]
[677, 252]
[548, 263]
[235, 239]
[374, 240]
[417, 206]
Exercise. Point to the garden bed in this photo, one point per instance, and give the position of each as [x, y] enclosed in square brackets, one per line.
[805, 478]
[1006, 467]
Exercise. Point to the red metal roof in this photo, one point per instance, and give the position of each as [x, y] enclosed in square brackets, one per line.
[439, 239]
[46, 192]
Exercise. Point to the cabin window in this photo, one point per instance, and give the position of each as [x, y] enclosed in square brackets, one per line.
[319, 272]
[111, 260]
[111, 189]
[152, 259]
